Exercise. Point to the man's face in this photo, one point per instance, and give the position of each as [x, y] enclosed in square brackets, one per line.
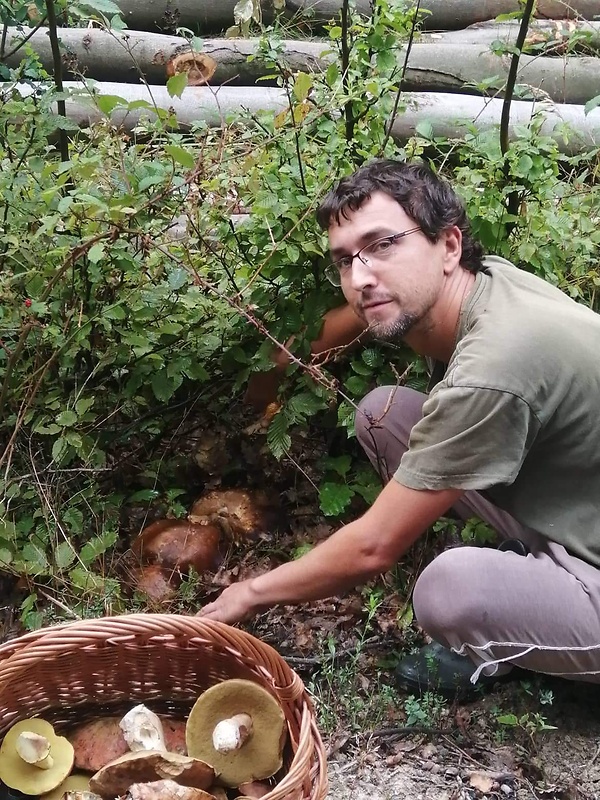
[397, 294]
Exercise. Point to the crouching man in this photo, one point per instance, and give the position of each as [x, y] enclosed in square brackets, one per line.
[507, 432]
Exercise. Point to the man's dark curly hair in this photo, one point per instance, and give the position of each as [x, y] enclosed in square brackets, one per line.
[428, 200]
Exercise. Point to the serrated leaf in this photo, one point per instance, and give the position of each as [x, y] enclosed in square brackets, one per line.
[66, 418]
[176, 84]
[103, 6]
[278, 438]
[424, 129]
[177, 278]
[108, 102]
[243, 11]
[334, 498]
[162, 386]
[97, 547]
[35, 561]
[59, 449]
[64, 555]
[181, 156]
[84, 404]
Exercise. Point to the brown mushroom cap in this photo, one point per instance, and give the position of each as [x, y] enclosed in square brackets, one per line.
[178, 544]
[261, 754]
[241, 514]
[28, 778]
[100, 741]
[74, 783]
[145, 766]
[166, 790]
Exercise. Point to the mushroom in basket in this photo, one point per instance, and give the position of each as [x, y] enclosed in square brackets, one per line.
[33, 759]
[239, 728]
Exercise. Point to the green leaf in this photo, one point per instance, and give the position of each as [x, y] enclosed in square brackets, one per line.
[334, 498]
[102, 6]
[64, 555]
[108, 102]
[177, 84]
[66, 419]
[592, 104]
[96, 252]
[178, 154]
[97, 547]
[59, 449]
[162, 386]
[34, 558]
[508, 719]
[302, 86]
[278, 438]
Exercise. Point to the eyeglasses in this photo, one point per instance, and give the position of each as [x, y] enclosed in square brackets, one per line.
[378, 252]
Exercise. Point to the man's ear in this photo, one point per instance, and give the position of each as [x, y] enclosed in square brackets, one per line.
[452, 239]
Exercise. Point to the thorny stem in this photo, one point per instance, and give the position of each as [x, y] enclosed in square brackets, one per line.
[513, 198]
[57, 61]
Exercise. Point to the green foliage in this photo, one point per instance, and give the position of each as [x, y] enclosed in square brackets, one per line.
[112, 328]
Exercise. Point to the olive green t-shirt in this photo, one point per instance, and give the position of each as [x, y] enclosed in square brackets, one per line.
[516, 412]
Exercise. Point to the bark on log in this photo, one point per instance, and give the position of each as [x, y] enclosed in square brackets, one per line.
[449, 115]
[122, 56]
[555, 32]
[448, 67]
[212, 15]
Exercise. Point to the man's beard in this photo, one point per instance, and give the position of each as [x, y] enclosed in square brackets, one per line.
[395, 330]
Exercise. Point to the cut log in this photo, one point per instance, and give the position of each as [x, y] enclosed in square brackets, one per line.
[121, 57]
[456, 14]
[125, 55]
[453, 115]
[449, 67]
[449, 115]
[214, 15]
[552, 32]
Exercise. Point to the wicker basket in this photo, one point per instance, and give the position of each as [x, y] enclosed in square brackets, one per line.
[71, 672]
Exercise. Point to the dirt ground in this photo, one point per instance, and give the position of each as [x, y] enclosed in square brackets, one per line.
[562, 764]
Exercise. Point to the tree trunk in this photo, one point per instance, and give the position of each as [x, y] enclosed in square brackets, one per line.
[455, 14]
[448, 115]
[124, 56]
[212, 15]
[448, 67]
[554, 33]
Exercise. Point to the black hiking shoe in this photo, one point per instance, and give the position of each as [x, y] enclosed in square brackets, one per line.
[437, 669]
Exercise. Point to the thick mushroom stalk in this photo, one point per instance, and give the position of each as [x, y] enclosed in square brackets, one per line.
[34, 749]
[231, 734]
[142, 730]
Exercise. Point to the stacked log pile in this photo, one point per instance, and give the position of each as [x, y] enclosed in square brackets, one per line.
[445, 66]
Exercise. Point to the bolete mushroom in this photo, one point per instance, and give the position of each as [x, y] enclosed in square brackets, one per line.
[241, 514]
[146, 766]
[178, 544]
[239, 728]
[75, 783]
[166, 790]
[100, 741]
[142, 729]
[33, 759]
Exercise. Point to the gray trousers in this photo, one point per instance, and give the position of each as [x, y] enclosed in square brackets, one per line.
[540, 611]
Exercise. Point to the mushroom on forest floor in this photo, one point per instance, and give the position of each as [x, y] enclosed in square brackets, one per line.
[146, 766]
[239, 728]
[33, 759]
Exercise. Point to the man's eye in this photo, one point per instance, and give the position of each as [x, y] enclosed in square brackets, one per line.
[381, 246]
[343, 263]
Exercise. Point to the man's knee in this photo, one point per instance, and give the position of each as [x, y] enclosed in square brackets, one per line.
[448, 599]
[370, 412]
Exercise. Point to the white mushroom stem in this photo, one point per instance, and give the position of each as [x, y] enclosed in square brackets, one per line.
[230, 734]
[34, 749]
[142, 730]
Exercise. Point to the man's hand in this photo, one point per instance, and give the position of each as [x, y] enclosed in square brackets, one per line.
[234, 604]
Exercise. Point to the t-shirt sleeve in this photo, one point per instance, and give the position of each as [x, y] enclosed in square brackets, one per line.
[468, 438]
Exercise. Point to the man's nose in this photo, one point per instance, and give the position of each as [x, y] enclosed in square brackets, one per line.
[362, 275]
